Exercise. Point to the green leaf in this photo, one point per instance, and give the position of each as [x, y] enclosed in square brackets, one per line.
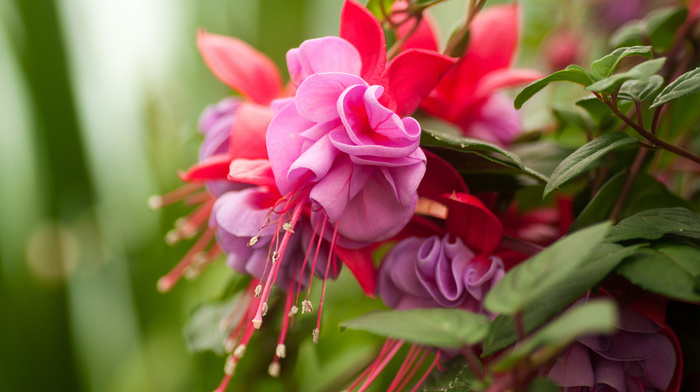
[486, 150]
[543, 385]
[661, 25]
[558, 263]
[667, 267]
[502, 332]
[375, 7]
[654, 224]
[599, 112]
[643, 89]
[572, 73]
[646, 193]
[595, 317]
[606, 66]
[566, 116]
[584, 157]
[629, 34]
[456, 377]
[433, 327]
[640, 72]
[203, 330]
[685, 84]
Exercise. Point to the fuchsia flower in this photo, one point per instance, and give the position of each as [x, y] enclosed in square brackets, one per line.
[342, 142]
[467, 94]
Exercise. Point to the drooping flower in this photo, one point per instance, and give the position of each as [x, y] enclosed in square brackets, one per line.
[342, 142]
[467, 95]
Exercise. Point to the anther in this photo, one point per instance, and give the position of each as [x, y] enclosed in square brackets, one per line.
[306, 306]
[315, 334]
[155, 202]
[230, 366]
[293, 311]
[229, 345]
[257, 324]
[275, 256]
[264, 308]
[258, 291]
[281, 350]
[172, 237]
[288, 227]
[240, 351]
[253, 241]
[274, 369]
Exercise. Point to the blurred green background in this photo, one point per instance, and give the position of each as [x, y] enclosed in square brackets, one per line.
[98, 108]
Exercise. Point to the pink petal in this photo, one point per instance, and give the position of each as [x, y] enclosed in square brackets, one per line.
[360, 263]
[315, 161]
[470, 220]
[440, 177]
[327, 54]
[411, 75]
[284, 143]
[240, 66]
[249, 131]
[494, 120]
[317, 97]
[404, 180]
[212, 168]
[359, 27]
[335, 189]
[504, 78]
[252, 171]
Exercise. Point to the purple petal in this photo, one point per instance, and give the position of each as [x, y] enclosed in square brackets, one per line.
[623, 346]
[284, 144]
[239, 213]
[317, 160]
[610, 373]
[481, 274]
[574, 368]
[317, 97]
[660, 367]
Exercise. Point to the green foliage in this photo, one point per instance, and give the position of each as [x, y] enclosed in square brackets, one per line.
[483, 149]
[606, 65]
[642, 89]
[433, 327]
[656, 223]
[597, 316]
[572, 73]
[456, 377]
[583, 158]
[667, 267]
[543, 385]
[599, 264]
[203, 331]
[686, 84]
[642, 71]
[558, 263]
[657, 28]
[599, 112]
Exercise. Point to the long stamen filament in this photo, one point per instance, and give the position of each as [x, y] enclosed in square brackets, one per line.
[168, 281]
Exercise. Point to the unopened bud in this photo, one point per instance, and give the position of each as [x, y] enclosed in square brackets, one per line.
[315, 334]
[293, 311]
[240, 351]
[264, 309]
[281, 350]
[288, 227]
[253, 241]
[274, 369]
[258, 291]
[306, 306]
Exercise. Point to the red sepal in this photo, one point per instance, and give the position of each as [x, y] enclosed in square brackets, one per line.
[360, 263]
[215, 167]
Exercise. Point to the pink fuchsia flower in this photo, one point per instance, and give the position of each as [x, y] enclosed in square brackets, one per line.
[467, 95]
[642, 356]
[342, 142]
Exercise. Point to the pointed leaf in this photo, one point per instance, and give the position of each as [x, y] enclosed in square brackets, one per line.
[203, 332]
[558, 263]
[654, 224]
[543, 385]
[662, 24]
[572, 73]
[445, 328]
[606, 66]
[643, 89]
[640, 72]
[685, 84]
[630, 34]
[456, 376]
[584, 158]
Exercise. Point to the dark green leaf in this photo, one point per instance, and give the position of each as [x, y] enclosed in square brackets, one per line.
[641, 90]
[558, 263]
[629, 34]
[584, 157]
[599, 112]
[486, 150]
[640, 72]
[654, 224]
[606, 66]
[597, 316]
[543, 385]
[572, 73]
[686, 84]
[604, 259]
[433, 327]
[661, 25]
[456, 377]
[669, 268]
[566, 116]
[646, 193]
[203, 331]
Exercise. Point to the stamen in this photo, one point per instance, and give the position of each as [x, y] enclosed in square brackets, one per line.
[281, 350]
[293, 311]
[413, 371]
[229, 345]
[331, 260]
[430, 369]
[303, 265]
[306, 306]
[230, 366]
[224, 383]
[407, 363]
[378, 369]
[193, 224]
[253, 241]
[385, 348]
[274, 369]
[168, 281]
[240, 351]
[258, 291]
[275, 256]
[155, 202]
[316, 332]
[288, 227]
[198, 198]
[264, 309]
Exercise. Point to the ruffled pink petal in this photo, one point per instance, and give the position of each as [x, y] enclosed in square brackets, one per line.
[252, 171]
[471, 221]
[249, 131]
[213, 168]
[327, 54]
[317, 97]
[359, 27]
[440, 178]
[284, 143]
[333, 191]
[410, 76]
[504, 78]
[360, 263]
[316, 161]
[404, 180]
[241, 67]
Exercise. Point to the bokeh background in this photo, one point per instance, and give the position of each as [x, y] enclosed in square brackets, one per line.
[98, 107]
